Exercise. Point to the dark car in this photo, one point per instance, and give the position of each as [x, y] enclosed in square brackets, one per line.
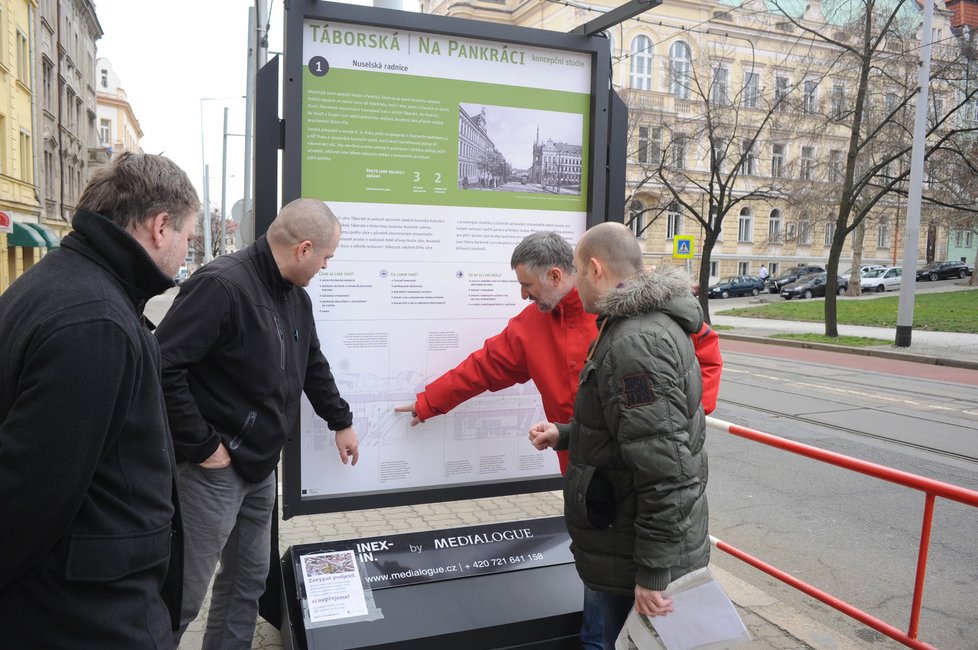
[737, 285]
[791, 275]
[943, 270]
[811, 286]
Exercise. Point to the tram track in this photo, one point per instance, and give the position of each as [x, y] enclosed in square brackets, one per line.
[823, 425]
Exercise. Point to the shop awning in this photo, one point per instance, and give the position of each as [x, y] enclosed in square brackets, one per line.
[51, 239]
[25, 236]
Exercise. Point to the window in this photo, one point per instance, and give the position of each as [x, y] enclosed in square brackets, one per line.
[808, 163]
[636, 218]
[719, 89]
[47, 75]
[714, 269]
[719, 152]
[890, 102]
[829, 232]
[745, 226]
[780, 93]
[748, 165]
[743, 268]
[790, 232]
[836, 170]
[674, 221]
[713, 221]
[774, 227]
[655, 146]
[641, 70]
[883, 234]
[26, 157]
[777, 160]
[838, 101]
[23, 59]
[805, 231]
[104, 132]
[643, 144]
[772, 269]
[811, 97]
[3, 145]
[957, 237]
[679, 152]
[104, 78]
[967, 239]
[752, 82]
[49, 174]
[679, 68]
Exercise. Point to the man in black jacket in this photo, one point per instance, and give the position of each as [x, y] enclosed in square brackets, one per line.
[87, 471]
[239, 347]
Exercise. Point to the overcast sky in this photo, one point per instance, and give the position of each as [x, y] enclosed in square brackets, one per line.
[170, 55]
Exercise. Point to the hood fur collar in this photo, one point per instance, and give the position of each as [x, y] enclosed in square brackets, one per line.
[667, 289]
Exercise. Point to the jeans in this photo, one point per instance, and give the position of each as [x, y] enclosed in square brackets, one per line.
[224, 517]
[604, 616]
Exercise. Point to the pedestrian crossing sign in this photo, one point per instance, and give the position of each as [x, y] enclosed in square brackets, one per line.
[682, 247]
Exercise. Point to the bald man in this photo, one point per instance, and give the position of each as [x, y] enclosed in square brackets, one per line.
[634, 494]
[239, 347]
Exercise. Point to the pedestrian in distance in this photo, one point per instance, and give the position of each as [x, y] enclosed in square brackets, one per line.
[239, 347]
[546, 342]
[763, 274]
[91, 542]
[634, 493]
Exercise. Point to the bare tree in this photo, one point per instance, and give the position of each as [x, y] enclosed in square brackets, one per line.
[706, 164]
[877, 60]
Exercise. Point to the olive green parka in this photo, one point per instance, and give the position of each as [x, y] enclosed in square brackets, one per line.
[634, 495]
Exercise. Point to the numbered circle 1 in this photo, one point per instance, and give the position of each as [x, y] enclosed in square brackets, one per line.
[319, 66]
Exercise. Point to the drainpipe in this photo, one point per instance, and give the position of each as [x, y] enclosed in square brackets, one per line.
[34, 141]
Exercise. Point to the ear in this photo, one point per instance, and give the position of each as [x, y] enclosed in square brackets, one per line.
[303, 248]
[555, 275]
[598, 267]
[157, 228]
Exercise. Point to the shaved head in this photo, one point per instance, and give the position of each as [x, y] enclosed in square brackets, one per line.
[304, 220]
[615, 246]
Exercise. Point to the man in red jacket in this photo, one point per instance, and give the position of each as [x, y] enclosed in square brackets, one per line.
[546, 343]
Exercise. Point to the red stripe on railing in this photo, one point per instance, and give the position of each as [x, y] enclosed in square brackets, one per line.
[930, 487]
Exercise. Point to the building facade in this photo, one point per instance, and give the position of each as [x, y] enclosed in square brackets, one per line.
[26, 239]
[118, 128]
[679, 61]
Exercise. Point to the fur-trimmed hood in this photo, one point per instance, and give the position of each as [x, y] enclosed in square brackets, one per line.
[668, 289]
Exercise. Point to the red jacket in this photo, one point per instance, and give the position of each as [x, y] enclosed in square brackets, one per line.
[549, 348]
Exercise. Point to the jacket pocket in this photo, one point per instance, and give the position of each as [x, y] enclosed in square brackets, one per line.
[590, 498]
[249, 424]
[105, 558]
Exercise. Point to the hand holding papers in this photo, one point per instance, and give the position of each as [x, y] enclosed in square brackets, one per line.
[703, 618]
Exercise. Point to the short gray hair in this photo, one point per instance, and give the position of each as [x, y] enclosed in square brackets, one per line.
[304, 219]
[541, 251]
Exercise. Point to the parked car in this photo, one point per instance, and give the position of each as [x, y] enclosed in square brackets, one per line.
[864, 269]
[883, 279]
[811, 286]
[943, 270]
[737, 285]
[791, 275]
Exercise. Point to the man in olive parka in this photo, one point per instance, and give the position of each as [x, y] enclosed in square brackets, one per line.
[634, 494]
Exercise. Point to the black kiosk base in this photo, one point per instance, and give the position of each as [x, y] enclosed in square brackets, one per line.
[510, 585]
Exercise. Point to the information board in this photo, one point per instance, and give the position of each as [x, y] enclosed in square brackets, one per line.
[439, 147]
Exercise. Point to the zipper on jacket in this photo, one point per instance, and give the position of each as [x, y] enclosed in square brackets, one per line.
[281, 342]
[245, 430]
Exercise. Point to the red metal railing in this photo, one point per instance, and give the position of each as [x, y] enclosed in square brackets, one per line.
[929, 487]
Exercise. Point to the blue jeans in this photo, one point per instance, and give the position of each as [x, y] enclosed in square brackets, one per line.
[604, 616]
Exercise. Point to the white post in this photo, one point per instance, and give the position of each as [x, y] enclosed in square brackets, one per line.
[911, 229]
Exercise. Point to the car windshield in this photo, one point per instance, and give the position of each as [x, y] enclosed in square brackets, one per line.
[729, 280]
[931, 266]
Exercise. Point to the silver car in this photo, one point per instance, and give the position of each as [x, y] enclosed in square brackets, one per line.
[880, 280]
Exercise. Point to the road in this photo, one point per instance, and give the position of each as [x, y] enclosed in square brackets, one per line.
[853, 536]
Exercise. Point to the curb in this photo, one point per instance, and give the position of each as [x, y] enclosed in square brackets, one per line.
[867, 352]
